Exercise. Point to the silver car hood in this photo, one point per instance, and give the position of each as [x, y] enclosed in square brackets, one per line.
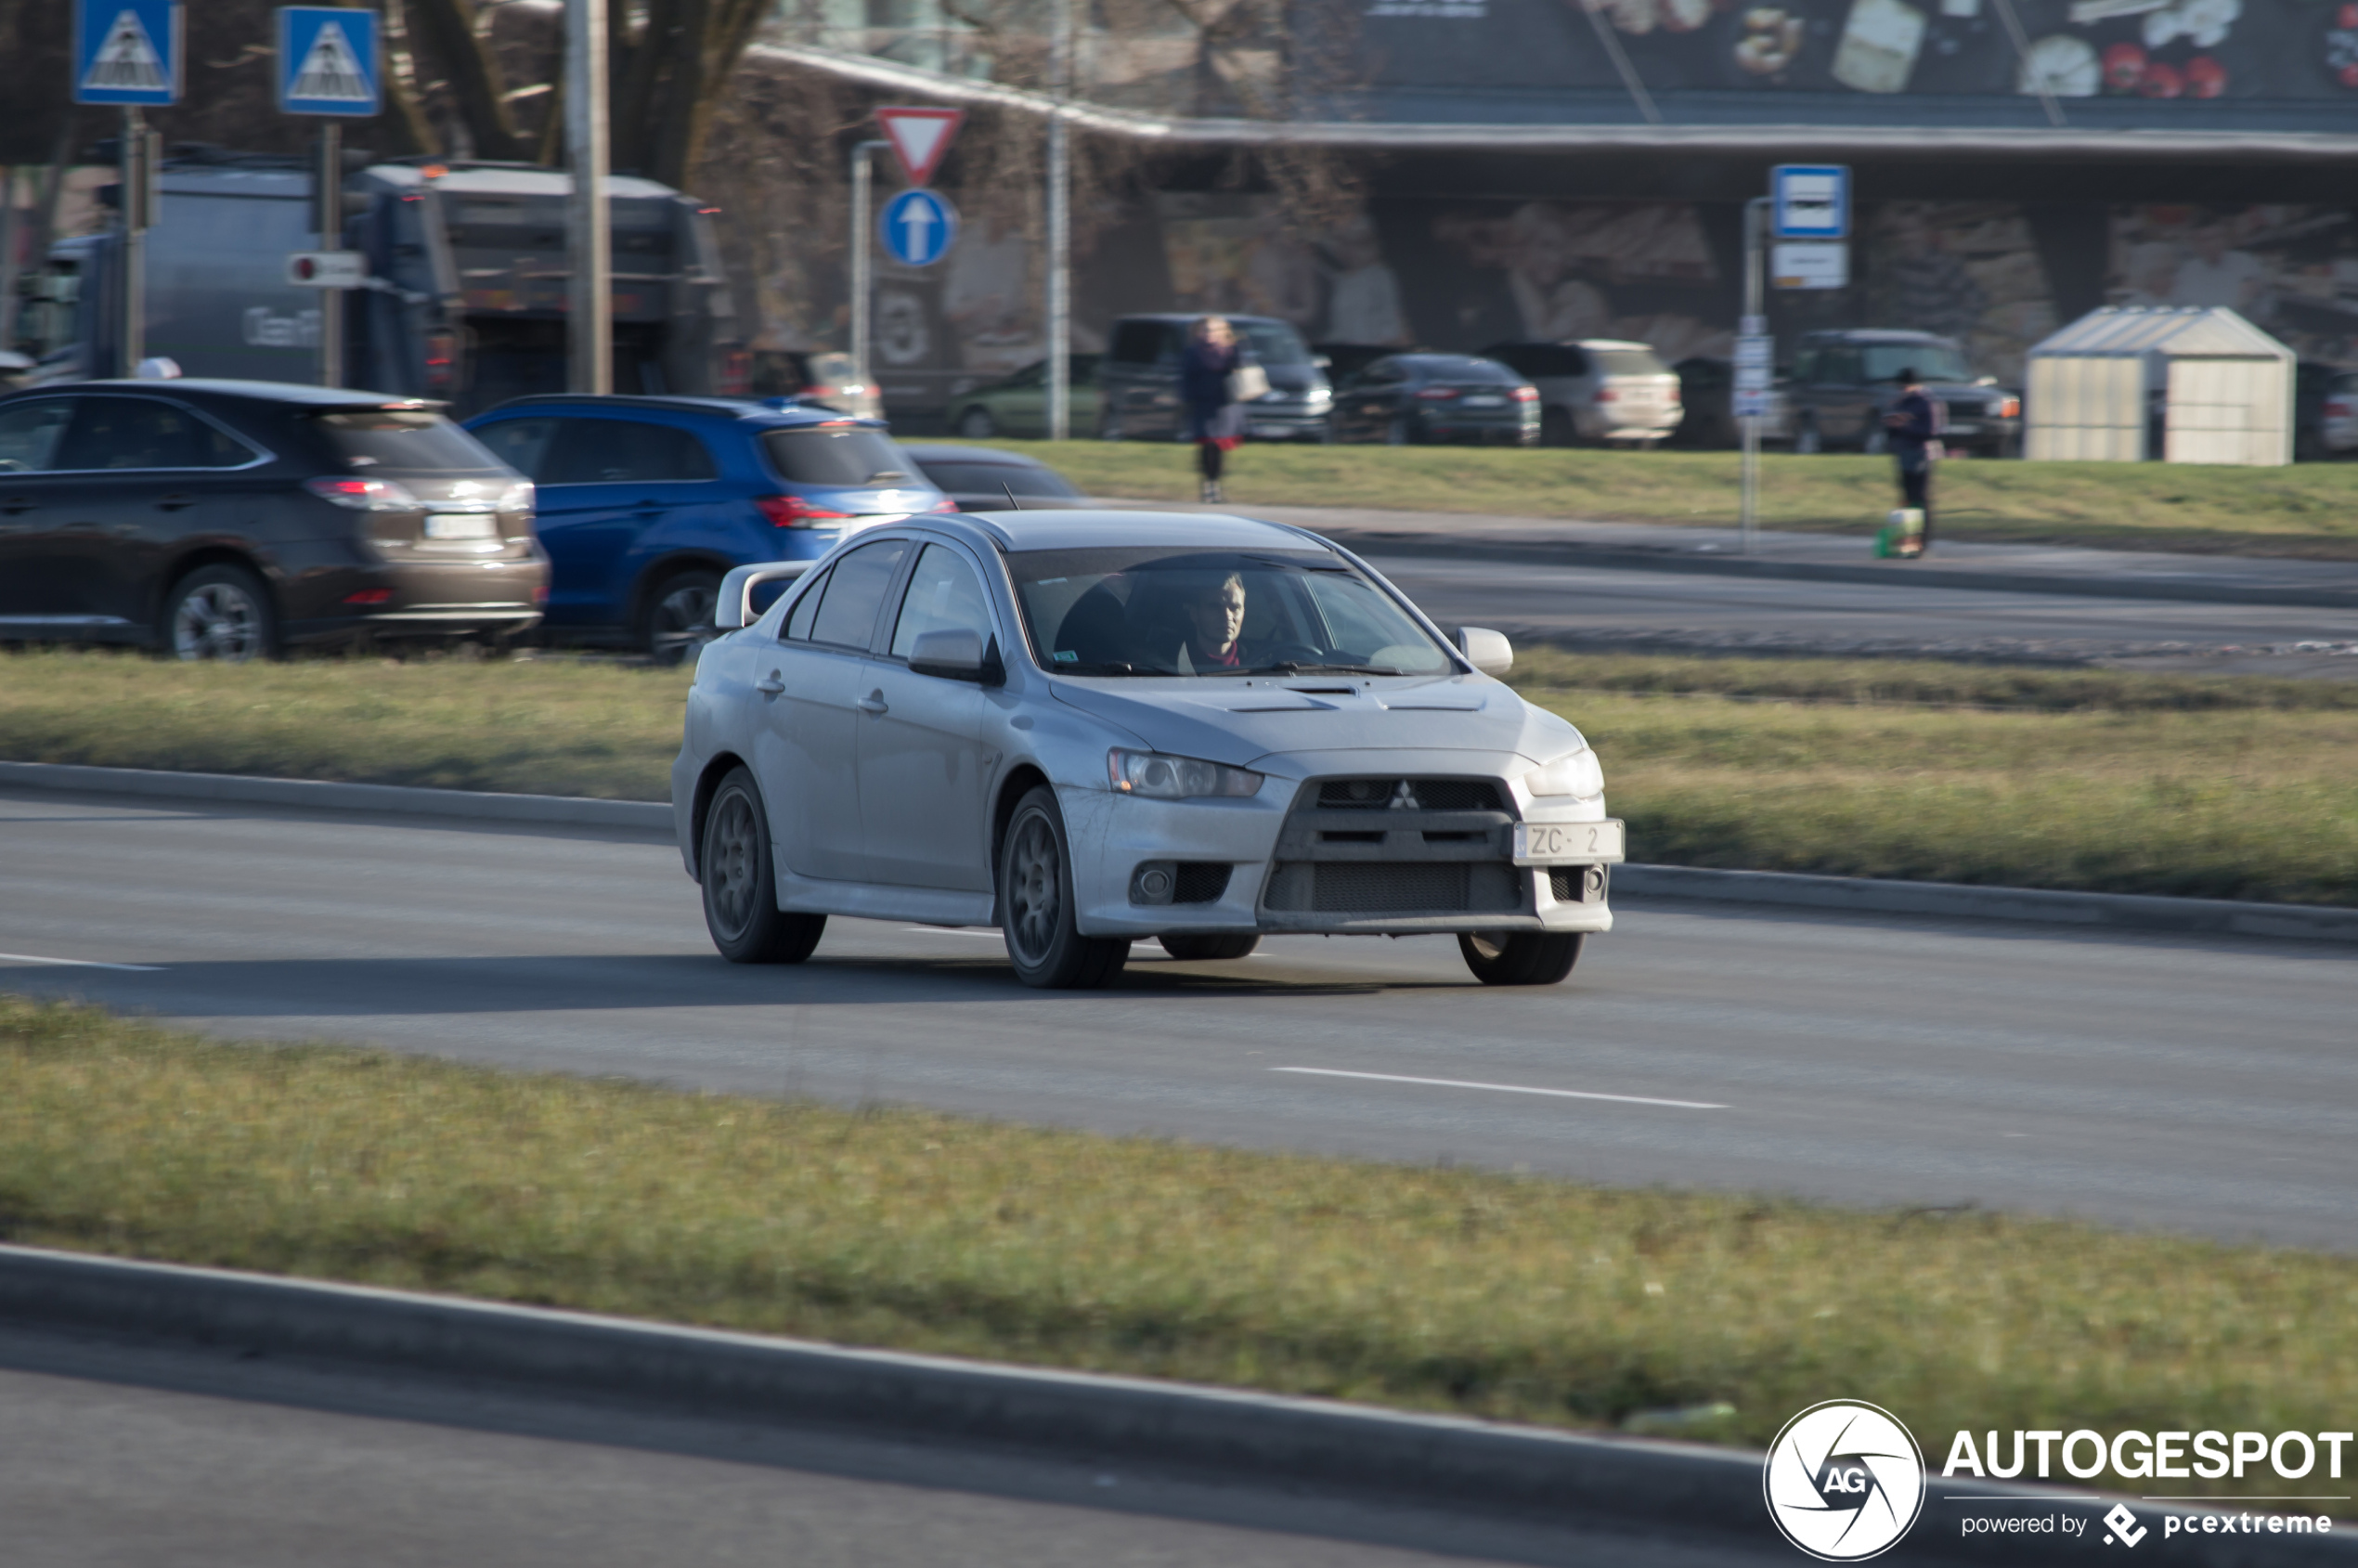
[1239, 724]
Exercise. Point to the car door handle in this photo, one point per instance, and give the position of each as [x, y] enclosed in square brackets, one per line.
[874, 703]
[175, 503]
[770, 685]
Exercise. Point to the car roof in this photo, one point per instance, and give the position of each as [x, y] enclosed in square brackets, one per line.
[1074, 529]
[259, 391]
[936, 451]
[1879, 334]
[1183, 317]
[781, 413]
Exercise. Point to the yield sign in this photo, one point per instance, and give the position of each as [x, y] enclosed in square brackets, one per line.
[919, 138]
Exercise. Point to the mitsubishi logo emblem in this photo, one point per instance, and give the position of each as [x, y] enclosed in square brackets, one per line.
[1404, 798]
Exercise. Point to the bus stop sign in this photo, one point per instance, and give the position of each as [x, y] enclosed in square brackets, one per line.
[127, 52]
[1809, 201]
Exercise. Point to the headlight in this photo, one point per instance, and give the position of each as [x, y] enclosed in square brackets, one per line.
[1318, 396]
[1578, 776]
[1158, 777]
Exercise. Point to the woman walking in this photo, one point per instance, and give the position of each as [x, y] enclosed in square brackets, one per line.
[1215, 413]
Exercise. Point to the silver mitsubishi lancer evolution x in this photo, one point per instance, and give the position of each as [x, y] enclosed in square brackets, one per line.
[1093, 728]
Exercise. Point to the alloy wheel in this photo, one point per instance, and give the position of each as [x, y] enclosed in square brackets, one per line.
[218, 621]
[1032, 894]
[681, 621]
[733, 851]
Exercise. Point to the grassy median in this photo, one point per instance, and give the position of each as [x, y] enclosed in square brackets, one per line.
[1498, 1295]
[2076, 778]
[2309, 510]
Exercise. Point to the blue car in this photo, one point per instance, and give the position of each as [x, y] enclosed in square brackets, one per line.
[644, 502]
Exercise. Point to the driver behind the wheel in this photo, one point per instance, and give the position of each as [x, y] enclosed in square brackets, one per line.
[1215, 619]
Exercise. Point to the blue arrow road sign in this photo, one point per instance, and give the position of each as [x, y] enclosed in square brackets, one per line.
[126, 51]
[918, 227]
[1811, 200]
[329, 61]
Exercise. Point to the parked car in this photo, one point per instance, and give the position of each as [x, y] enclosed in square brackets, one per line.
[1597, 389]
[817, 378]
[1842, 382]
[2314, 383]
[1138, 381]
[986, 479]
[1416, 398]
[646, 501]
[16, 370]
[1343, 360]
[232, 520]
[1707, 391]
[2337, 415]
[1090, 727]
[1017, 405]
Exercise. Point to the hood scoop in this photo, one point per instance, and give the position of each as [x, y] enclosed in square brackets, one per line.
[1436, 702]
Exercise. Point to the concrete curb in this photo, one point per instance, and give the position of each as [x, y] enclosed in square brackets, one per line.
[652, 818]
[1637, 1483]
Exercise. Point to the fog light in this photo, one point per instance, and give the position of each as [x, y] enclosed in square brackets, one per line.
[1154, 882]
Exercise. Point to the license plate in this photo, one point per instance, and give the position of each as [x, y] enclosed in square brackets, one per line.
[461, 526]
[1567, 843]
[1269, 432]
[1485, 402]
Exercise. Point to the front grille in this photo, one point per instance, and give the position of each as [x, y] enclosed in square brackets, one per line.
[1393, 886]
[1428, 794]
[1201, 882]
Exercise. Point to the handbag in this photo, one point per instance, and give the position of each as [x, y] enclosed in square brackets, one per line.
[1247, 383]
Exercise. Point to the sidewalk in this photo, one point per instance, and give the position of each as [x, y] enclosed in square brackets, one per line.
[1654, 547]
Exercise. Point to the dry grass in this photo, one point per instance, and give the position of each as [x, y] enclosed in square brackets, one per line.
[2309, 510]
[1500, 1295]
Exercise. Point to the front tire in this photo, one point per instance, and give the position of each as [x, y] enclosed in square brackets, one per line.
[976, 424]
[1520, 957]
[1036, 904]
[679, 616]
[219, 612]
[1200, 947]
[740, 882]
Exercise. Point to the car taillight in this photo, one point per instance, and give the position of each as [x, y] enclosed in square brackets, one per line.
[1607, 394]
[737, 372]
[2011, 408]
[370, 596]
[1437, 393]
[2336, 408]
[1526, 394]
[441, 360]
[944, 504]
[364, 495]
[793, 512]
[1672, 395]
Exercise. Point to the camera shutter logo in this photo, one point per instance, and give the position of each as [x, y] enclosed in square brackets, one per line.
[2120, 1523]
[1843, 1480]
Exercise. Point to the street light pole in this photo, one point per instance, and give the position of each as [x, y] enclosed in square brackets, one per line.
[1060, 231]
[862, 223]
[589, 291]
[1755, 324]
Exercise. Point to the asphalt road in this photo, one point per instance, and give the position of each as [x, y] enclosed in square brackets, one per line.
[1612, 607]
[2192, 1083]
[146, 1457]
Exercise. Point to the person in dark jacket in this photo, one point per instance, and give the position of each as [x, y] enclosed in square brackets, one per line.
[1913, 425]
[1215, 420]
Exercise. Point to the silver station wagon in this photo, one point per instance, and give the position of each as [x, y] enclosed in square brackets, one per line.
[1093, 728]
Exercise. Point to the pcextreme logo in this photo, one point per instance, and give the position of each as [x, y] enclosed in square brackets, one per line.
[1843, 1480]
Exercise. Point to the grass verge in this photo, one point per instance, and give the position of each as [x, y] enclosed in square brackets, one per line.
[2095, 780]
[1441, 1290]
[2302, 511]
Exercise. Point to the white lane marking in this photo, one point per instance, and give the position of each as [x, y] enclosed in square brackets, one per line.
[1503, 1088]
[952, 932]
[79, 963]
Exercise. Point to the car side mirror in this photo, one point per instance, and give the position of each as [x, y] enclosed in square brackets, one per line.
[958, 653]
[733, 606]
[1487, 651]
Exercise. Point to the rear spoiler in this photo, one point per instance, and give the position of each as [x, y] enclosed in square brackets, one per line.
[733, 606]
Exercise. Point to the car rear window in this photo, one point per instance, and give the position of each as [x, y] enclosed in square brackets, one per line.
[842, 458]
[403, 441]
[1628, 362]
[1465, 371]
[986, 478]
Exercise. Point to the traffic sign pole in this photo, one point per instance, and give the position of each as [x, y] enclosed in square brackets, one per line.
[589, 293]
[134, 194]
[1060, 233]
[128, 53]
[328, 188]
[1755, 324]
[862, 201]
[330, 65]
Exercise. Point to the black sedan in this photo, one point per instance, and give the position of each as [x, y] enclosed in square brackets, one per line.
[986, 479]
[232, 520]
[1409, 397]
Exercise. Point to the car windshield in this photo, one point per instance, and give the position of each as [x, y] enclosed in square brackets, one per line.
[1273, 342]
[994, 478]
[1931, 361]
[843, 457]
[1165, 612]
[1628, 362]
[399, 441]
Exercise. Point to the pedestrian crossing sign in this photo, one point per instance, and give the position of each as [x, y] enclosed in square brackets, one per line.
[126, 51]
[329, 62]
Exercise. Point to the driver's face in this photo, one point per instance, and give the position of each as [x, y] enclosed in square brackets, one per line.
[1219, 616]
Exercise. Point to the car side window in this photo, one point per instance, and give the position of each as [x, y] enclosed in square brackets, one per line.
[1839, 367]
[625, 452]
[798, 619]
[29, 433]
[1133, 343]
[855, 592]
[943, 596]
[115, 434]
[523, 444]
[1805, 366]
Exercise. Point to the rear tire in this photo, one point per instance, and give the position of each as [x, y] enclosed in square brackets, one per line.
[679, 619]
[1520, 957]
[740, 879]
[1036, 904]
[219, 612]
[1207, 946]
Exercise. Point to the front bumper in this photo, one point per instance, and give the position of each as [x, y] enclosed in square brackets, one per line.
[1286, 421]
[1293, 865]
